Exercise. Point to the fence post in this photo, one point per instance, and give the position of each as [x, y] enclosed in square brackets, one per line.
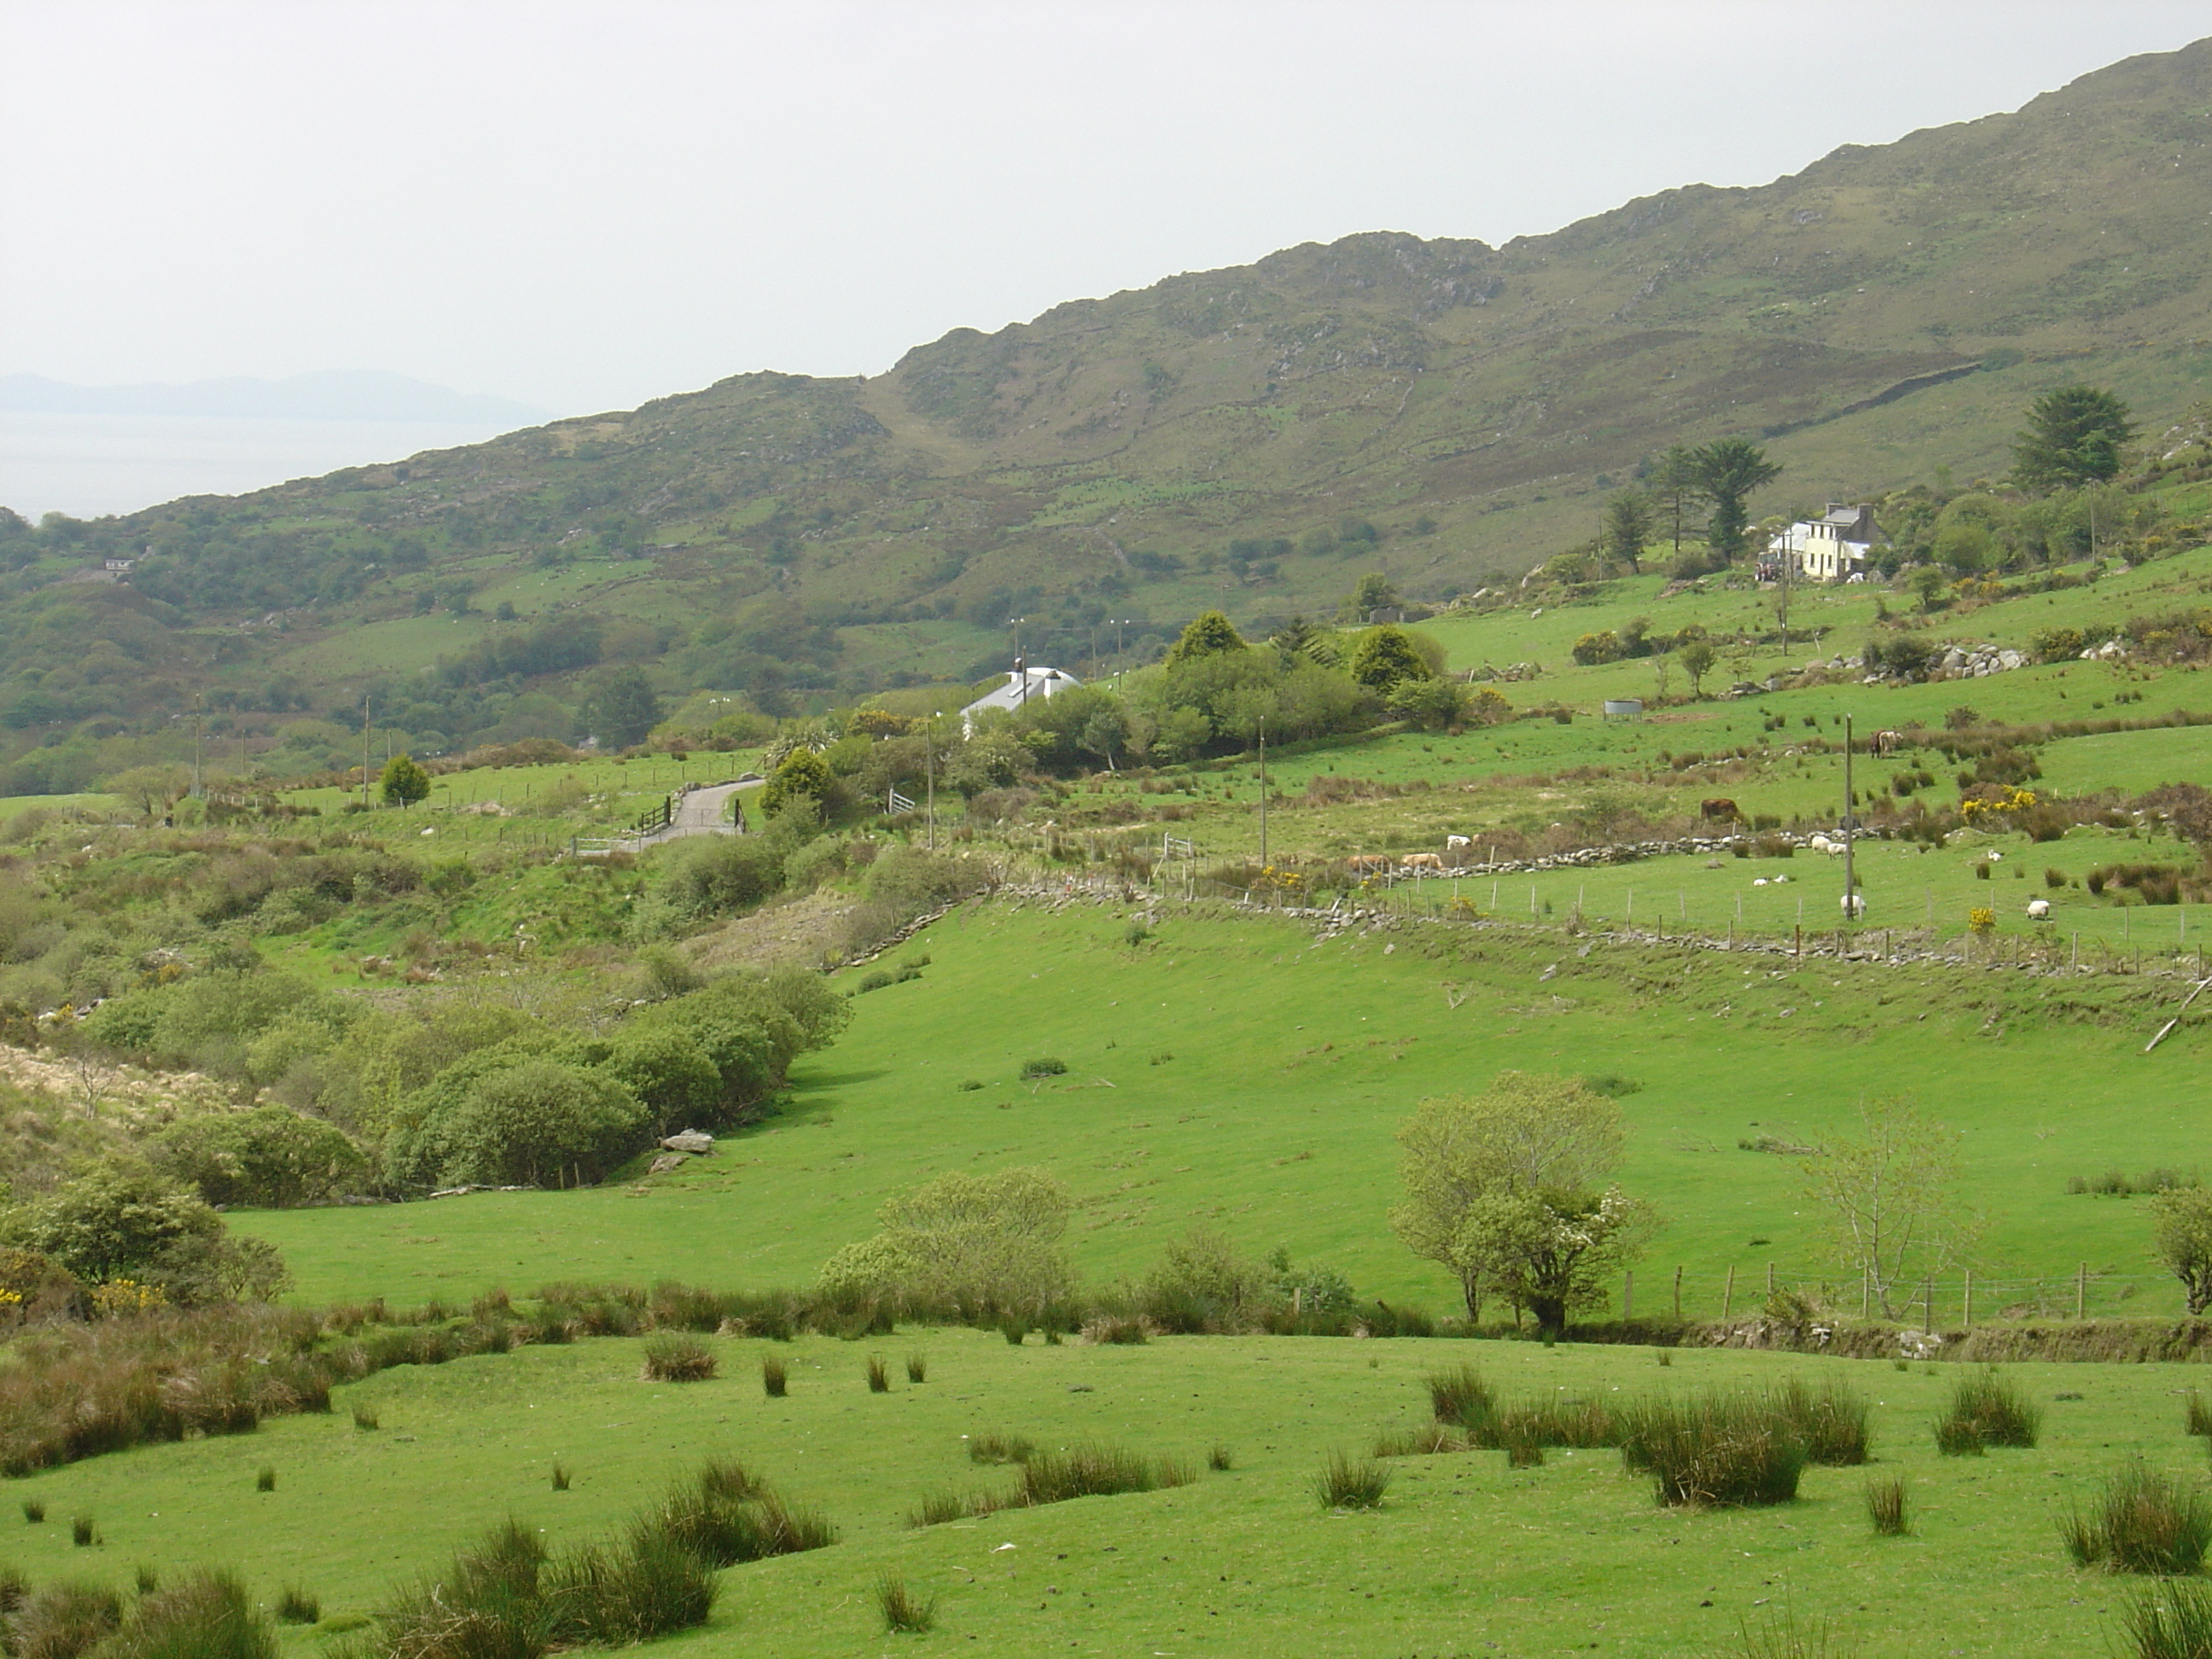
[1866, 1293]
[1928, 1306]
[1966, 1313]
[1727, 1297]
[1678, 1296]
[1770, 1281]
[2080, 1288]
[1627, 1296]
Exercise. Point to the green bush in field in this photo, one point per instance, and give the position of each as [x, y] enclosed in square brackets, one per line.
[268, 1157]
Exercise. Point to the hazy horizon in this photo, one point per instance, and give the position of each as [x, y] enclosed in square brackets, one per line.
[253, 188]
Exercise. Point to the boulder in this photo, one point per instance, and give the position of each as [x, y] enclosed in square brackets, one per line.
[689, 1140]
[666, 1162]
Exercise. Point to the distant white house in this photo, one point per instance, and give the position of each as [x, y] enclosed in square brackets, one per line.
[1023, 683]
[1835, 547]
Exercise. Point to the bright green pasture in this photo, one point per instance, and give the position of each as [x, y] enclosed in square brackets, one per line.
[1465, 1557]
[1240, 1075]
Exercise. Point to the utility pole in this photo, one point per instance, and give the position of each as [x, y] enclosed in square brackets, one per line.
[1850, 884]
[929, 772]
[1020, 667]
[195, 745]
[364, 752]
[1263, 791]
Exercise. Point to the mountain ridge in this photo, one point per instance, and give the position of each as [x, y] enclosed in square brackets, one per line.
[1253, 437]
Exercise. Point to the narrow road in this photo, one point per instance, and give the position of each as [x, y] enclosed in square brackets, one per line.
[702, 812]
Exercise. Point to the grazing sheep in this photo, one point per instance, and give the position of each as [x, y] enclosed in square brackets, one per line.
[2038, 909]
[1854, 906]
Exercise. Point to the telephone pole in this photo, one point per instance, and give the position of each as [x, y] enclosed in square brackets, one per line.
[1263, 791]
[364, 752]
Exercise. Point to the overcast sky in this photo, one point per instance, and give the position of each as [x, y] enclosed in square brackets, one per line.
[587, 205]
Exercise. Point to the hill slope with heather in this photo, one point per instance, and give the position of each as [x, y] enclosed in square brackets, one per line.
[1256, 437]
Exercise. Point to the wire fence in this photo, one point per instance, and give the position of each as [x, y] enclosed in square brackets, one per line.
[1955, 1300]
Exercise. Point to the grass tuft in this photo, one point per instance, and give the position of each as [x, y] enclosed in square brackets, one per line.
[2146, 1522]
[776, 1377]
[207, 1616]
[1001, 1449]
[2197, 1414]
[677, 1357]
[904, 1614]
[365, 1419]
[1346, 1482]
[1986, 1411]
[1221, 1459]
[917, 1369]
[646, 1586]
[1885, 1502]
[35, 1510]
[296, 1607]
[64, 1622]
[1831, 1420]
[82, 1533]
[265, 1478]
[1716, 1449]
[937, 1508]
[1461, 1397]
[147, 1580]
[879, 1375]
[1782, 1638]
[1095, 1471]
[560, 1476]
[1426, 1441]
[2170, 1620]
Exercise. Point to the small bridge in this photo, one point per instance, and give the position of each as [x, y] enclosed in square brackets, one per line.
[703, 810]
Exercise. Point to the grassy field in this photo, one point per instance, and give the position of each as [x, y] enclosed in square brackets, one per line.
[1465, 1557]
[1240, 1073]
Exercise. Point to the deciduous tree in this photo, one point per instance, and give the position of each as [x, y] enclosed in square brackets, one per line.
[1890, 1197]
[404, 782]
[2183, 1240]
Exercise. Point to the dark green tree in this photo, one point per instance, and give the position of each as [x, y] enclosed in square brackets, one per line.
[625, 708]
[1627, 528]
[1672, 484]
[1697, 659]
[1728, 470]
[1210, 634]
[2074, 436]
[1385, 656]
[404, 782]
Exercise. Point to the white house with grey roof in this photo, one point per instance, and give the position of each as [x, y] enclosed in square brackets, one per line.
[1023, 683]
[1835, 547]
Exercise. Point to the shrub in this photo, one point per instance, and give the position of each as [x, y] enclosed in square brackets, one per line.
[35, 1511]
[1094, 1471]
[2196, 1414]
[1001, 1449]
[82, 1533]
[265, 1479]
[775, 1378]
[2170, 1620]
[904, 1614]
[1118, 1330]
[2145, 1522]
[917, 1368]
[1992, 1411]
[672, 1358]
[1044, 1068]
[365, 1419]
[1885, 1502]
[1461, 1397]
[1717, 1449]
[725, 1516]
[1831, 1420]
[1219, 1459]
[64, 1622]
[879, 1375]
[1346, 1482]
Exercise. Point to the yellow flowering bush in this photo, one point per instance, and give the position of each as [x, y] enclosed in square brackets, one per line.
[118, 1296]
[1981, 922]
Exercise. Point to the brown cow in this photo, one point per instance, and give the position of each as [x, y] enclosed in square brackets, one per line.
[1885, 743]
[1368, 864]
[1421, 862]
[1720, 810]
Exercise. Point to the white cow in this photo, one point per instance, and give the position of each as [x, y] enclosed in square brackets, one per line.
[1455, 843]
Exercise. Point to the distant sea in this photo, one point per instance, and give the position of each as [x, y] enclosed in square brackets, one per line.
[87, 465]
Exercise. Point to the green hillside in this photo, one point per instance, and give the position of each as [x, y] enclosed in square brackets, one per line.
[1445, 411]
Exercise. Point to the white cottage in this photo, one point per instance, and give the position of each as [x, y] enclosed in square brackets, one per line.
[1022, 683]
[1832, 548]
